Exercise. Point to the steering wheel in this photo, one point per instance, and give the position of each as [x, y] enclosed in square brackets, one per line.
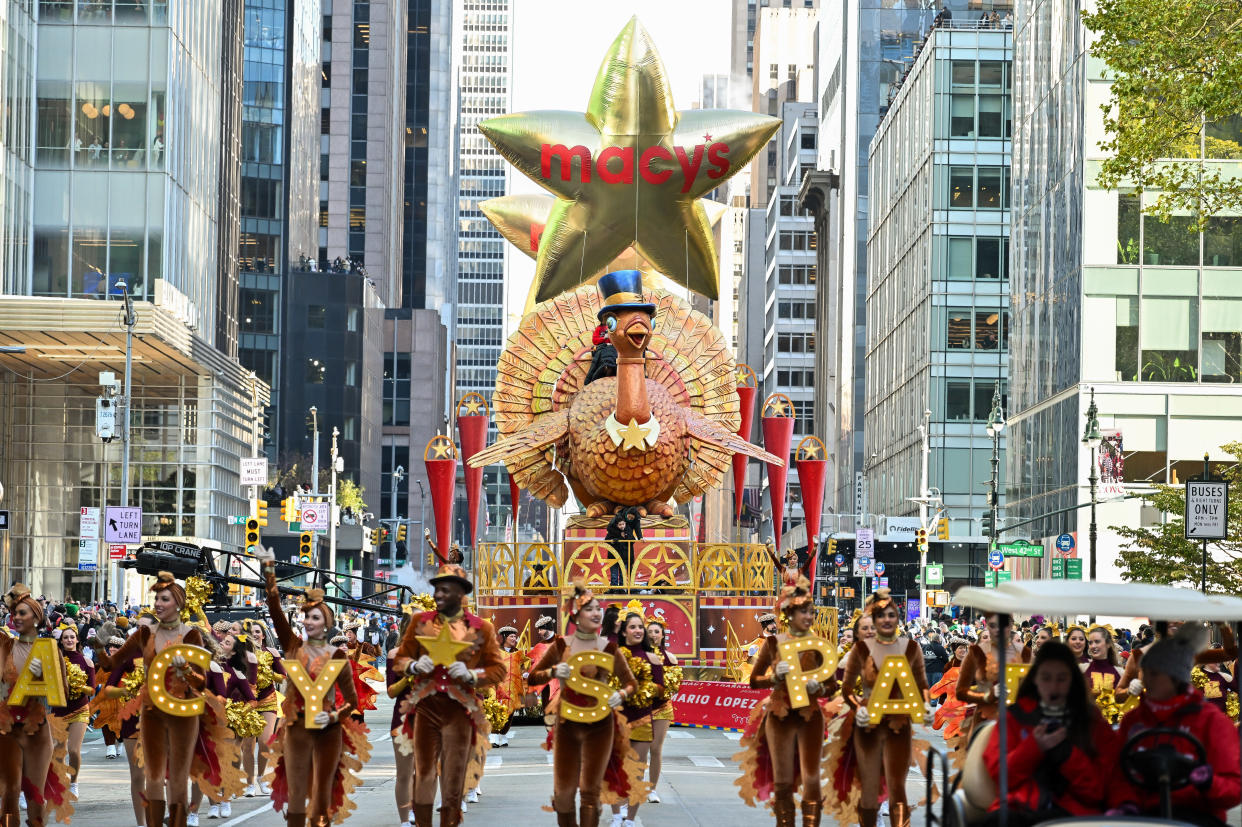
[1161, 763]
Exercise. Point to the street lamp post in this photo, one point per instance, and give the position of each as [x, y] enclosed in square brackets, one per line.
[1091, 438]
[314, 412]
[398, 474]
[996, 424]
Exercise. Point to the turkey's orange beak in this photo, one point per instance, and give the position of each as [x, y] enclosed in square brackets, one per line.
[632, 333]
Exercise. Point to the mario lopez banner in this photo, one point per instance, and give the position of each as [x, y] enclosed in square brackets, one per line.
[715, 704]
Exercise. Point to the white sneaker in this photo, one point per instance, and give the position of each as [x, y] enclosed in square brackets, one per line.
[249, 793]
[110, 752]
[627, 823]
[617, 818]
[653, 797]
[73, 788]
[21, 800]
[191, 820]
[463, 805]
[493, 739]
[472, 797]
[264, 789]
[213, 811]
[226, 810]
[504, 740]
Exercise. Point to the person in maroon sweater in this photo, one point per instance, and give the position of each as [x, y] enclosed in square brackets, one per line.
[1170, 701]
[1059, 747]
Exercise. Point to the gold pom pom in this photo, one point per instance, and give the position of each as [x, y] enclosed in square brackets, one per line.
[646, 690]
[1231, 705]
[244, 720]
[197, 592]
[496, 712]
[76, 681]
[133, 682]
[672, 681]
[266, 676]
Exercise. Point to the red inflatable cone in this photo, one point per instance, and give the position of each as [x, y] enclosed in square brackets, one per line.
[811, 469]
[440, 457]
[746, 391]
[778, 425]
[472, 415]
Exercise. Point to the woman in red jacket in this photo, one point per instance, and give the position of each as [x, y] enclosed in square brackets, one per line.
[1171, 701]
[1060, 749]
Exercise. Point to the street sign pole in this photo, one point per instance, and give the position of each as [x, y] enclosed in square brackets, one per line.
[1207, 514]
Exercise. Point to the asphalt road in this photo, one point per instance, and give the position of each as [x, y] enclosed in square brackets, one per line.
[696, 786]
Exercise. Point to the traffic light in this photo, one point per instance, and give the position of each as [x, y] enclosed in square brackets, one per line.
[260, 511]
[986, 522]
[431, 560]
[289, 509]
[920, 536]
[305, 548]
[832, 546]
[402, 551]
[942, 528]
[375, 537]
[252, 534]
[401, 533]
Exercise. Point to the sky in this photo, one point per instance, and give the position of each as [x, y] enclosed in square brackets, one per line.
[558, 46]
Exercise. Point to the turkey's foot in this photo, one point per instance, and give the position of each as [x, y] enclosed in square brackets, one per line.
[601, 508]
[660, 508]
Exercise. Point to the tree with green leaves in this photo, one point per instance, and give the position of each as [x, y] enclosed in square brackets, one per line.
[1176, 73]
[1162, 554]
[349, 495]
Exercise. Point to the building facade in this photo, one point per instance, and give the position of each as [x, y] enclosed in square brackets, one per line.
[279, 180]
[17, 156]
[938, 288]
[128, 134]
[1147, 315]
[362, 141]
[483, 61]
[863, 50]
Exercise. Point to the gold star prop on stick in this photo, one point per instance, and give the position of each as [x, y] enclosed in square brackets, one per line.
[629, 171]
[443, 648]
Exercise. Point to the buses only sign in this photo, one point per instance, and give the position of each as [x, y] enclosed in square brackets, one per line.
[1207, 510]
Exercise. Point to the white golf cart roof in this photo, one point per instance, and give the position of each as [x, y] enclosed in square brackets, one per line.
[1074, 597]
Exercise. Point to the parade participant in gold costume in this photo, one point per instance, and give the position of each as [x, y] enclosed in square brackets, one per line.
[75, 715]
[1102, 673]
[783, 745]
[510, 690]
[883, 745]
[668, 675]
[585, 754]
[269, 674]
[980, 675]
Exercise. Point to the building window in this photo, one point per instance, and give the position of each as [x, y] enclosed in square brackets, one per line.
[808, 139]
[397, 389]
[796, 274]
[958, 337]
[351, 319]
[961, 186]
[258, 311]
[795, 342]
[316, 316]
[315, 370]
[979, 187]
[796, 310]
[987, 329]
[957, 401]
[1169, 335]
[351, 374]
[349, 430]
[1171, 244]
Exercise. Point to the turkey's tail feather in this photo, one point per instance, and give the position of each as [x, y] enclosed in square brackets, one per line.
[702, 429]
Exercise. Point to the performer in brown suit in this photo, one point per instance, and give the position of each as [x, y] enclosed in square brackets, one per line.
[883, 745]
[443, 715]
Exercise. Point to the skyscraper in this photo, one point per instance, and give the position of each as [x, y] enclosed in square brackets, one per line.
[17, 53]
[483, 63]
[130, 134]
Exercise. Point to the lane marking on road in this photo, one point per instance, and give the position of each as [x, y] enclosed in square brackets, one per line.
[544, 773]
[678, 734]
[732, 736]
[247, 816]
[493, 761]
[550, 757]
[705, 760]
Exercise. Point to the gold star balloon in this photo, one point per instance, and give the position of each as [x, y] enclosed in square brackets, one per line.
[629, 171]
[521, 219]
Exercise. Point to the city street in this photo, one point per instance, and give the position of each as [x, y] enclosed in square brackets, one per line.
[696, 786]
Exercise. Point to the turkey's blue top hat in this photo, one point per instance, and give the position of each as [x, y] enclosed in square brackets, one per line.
[623, 290]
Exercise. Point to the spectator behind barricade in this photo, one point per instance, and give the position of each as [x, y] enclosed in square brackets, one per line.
[1171, 701]
[1059, 747]
[935, 658]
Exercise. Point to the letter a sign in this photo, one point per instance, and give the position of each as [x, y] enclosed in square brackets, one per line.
[1207, 509]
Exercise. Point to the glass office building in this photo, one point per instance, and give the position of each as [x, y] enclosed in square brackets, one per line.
[938, 268]
[17, 66]
[127, 112]
[1146, 314]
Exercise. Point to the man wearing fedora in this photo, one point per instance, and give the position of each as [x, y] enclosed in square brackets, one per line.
[443, 715]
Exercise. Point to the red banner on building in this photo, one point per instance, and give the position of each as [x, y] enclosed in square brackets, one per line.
[715, 704]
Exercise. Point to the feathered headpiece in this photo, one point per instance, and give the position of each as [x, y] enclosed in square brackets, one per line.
[635, 607]
[20, 593]
[164, 581]
[579, 596]
[314, 600]
[796, 592]
[879, 600]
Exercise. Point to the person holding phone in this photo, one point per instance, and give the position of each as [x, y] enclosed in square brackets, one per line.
[1060, 748]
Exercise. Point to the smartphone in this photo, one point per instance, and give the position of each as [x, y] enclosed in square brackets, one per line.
[1051, 725]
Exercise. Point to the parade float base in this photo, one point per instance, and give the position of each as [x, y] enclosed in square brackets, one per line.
[710, 595]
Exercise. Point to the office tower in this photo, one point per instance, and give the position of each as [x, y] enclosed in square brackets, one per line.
[128, 134]
[863, 49]
[362, 164]
[938, 282]
[279, 168]
[17, 53]
[483, 64]
[1146, 315]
